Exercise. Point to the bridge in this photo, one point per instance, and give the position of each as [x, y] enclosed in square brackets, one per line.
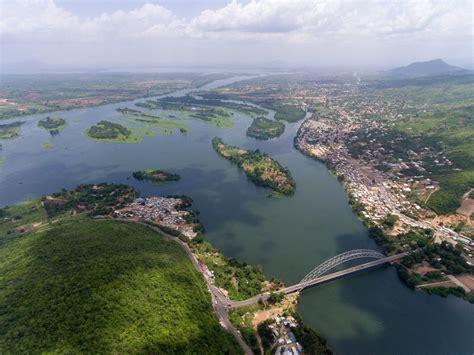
[317, 275]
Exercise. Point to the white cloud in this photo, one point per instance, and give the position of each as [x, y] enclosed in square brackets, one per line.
[275, 24]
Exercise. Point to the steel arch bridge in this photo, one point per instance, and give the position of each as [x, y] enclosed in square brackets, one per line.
[341, 259]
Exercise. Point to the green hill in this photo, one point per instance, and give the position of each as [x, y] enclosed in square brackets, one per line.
[85, 286]
[432, 67]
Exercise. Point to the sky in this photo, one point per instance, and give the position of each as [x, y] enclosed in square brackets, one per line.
[140, 35]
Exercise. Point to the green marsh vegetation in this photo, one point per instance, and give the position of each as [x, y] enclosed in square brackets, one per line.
[10, 130]
[259, 167]
[47, 145]
[216, 116]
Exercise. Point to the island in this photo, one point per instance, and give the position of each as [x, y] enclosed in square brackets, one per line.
[264, 128]
[106, 131]
[10, 130]
[53, 124]
[155, 176]
[259, 167]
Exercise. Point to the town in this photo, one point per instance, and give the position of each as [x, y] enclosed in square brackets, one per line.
[162, 211]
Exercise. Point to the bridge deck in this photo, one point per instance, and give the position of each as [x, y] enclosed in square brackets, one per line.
[319, 280]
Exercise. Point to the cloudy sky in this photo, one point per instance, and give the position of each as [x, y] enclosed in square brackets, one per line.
[216, 33]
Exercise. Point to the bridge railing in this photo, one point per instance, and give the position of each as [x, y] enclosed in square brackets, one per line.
[341, 259]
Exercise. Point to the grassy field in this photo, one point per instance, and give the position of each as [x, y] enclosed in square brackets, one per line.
[259, 167]
[86, 286]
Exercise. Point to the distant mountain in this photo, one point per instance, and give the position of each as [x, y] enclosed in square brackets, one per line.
[432, 67]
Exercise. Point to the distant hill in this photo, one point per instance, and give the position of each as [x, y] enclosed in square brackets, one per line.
[432, 67]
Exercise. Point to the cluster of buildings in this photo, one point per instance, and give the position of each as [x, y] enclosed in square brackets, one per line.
[381, 193]
[163, 211]
[286, 342]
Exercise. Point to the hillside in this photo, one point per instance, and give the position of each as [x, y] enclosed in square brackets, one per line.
[84, 286]
[432, 67]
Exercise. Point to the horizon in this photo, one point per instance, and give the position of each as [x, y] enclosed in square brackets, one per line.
[133, 35]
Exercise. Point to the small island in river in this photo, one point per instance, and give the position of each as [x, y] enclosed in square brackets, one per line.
[259, 167]
[53, 124]
[156, 176]
[264, 128]
[10, 130]
[106, 131]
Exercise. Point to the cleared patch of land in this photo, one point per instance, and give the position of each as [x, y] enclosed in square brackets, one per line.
[263, 128]
[259, 167]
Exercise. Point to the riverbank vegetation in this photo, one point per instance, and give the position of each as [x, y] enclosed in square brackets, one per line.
[264, 128]
[437, 259]
[240, 280]
[10, 130]
[53, 124]
[84, 286]
[106, 131]
[155, 176]
[259, 167]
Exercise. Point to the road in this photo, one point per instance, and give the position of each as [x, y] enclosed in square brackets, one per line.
[219, 301]
[300, 286]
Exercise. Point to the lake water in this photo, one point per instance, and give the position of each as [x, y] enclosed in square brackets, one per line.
[367, 313]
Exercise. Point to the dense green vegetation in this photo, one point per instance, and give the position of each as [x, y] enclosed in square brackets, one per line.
[10, 130]
[259, 167]
[53, 124]
[289, 113]
[106, 131]
[263, 128]
[156, 176]
[86, 286]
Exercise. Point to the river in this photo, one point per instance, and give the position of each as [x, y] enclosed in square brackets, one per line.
[367, 313]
